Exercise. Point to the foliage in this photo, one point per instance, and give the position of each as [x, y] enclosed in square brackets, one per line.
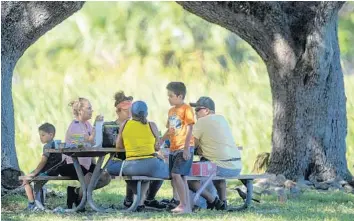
[139, 47]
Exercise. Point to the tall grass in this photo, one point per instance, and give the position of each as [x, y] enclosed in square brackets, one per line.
[101, 50]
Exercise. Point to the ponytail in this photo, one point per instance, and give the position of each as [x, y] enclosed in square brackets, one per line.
[140, 117]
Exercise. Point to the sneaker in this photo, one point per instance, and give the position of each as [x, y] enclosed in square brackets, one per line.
[217, 204]
[71, 197]
[30, 207]
[196, 208]
[224, 207]
[172, 204]
[127, 203]
[140, 208]
[154, 204]
[210, 205]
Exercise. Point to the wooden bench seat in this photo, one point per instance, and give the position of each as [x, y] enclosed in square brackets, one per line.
[247, 180]
[39, 178]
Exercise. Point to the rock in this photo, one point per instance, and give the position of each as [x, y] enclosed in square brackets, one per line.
[289, 184]
[262, 183]
[337, 186]
[321, 186]
[258, 190]
[343, 182]
[272, 178]
[348, 188]
[267, 192]
[280, 180]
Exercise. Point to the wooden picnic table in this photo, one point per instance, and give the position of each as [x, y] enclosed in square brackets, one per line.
[74, 153]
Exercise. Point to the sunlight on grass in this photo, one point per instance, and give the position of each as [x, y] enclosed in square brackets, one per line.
[102, 55]
[312, 205]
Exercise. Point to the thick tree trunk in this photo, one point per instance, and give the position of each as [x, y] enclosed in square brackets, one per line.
[298, 42]
[309, 117]
[22, 23]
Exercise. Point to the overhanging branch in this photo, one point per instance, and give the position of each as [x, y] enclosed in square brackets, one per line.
[24, 22]
[258, 23]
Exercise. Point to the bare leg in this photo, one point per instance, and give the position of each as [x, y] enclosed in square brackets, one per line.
[29, 191]
[175, 194]
[181, 190]
[220, 186]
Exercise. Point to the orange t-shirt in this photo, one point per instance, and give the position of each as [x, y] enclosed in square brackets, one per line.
[178, 120]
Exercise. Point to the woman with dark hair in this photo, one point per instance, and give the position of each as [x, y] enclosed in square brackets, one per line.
[140, 139]
[123, 105]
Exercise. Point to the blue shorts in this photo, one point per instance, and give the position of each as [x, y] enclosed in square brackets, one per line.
[113, 167]
[224, 172]
[178, 165]
[153, 167]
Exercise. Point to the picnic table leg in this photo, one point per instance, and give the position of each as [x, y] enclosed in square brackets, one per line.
[202, 188]
[248, 200]
[249, 185]
[137, 198]
[80, 175]
[94, 179]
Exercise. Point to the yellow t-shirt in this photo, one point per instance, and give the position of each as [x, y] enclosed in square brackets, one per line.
[138, 139]
[178, 120]
[216, 141]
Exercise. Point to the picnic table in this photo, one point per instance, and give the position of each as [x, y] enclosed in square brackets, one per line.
[74, 153]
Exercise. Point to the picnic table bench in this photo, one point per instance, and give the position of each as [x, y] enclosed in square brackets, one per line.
[246, 179]
[86, 189]
[101, 153]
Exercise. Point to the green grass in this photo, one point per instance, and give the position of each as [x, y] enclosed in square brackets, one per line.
[102, 55]
[311, 205]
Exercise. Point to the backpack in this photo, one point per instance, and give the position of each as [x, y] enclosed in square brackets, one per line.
[110, 132]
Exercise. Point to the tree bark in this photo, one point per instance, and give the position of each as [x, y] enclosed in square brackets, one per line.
[22, 23]
[298, 43]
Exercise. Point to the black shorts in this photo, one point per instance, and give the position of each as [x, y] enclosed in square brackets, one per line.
[69, 170]
[178, 165]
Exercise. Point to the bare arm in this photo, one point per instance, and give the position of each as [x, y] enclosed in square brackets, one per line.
[165, 135]
[155, 131]
[40, 166]
[119, 141]
[188, 137]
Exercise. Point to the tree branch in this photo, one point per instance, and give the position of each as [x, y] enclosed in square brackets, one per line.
[24, 22]
[258, 23]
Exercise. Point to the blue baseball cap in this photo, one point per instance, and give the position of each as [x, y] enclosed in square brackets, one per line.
[139, 106]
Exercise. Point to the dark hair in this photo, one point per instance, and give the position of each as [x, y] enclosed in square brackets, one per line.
[140, 117]
[178, 88]
[120, 97]
[48, 128]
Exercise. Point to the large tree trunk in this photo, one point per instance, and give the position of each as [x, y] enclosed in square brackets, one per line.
[309, 117]
[22, 23]
[298, 43]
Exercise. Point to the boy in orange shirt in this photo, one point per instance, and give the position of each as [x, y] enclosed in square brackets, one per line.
[180, 124]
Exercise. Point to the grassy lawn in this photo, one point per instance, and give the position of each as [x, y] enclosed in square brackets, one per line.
[312, 205]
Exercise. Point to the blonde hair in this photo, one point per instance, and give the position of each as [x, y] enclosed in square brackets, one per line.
[77, 104]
